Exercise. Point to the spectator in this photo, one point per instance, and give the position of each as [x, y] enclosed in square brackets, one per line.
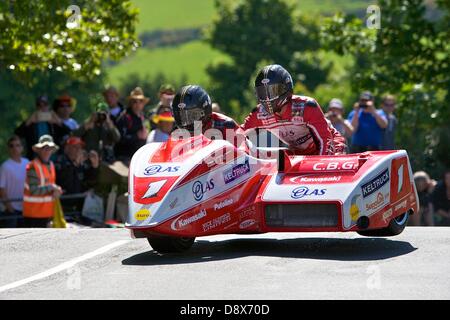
[216, 108]
[111, 96]
[100, 134]
[40, 190]
[12, 180]
[76, 171]
[164, 122]
[166, 95]
[424, 186]
[441, 201]
[42, 122]
[131, 126]
[335, 115]
[367, 123]
[388, 106]
[64, 107]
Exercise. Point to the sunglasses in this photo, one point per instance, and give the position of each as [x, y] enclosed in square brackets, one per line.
[137, 101]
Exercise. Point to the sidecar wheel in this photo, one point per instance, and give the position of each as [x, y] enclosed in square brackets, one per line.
[163, 244]
[395, 227]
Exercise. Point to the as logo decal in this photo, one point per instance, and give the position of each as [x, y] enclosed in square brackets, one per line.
[303, 191]
[158, 169]
[200, 188]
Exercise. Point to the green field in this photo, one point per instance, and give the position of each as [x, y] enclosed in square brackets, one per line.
[189, 59]
[171, 14]
[192, 58]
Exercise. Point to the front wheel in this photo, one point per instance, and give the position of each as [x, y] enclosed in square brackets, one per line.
[164, 244]
[395, 227]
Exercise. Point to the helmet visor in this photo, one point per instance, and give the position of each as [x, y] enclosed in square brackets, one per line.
[270, 92]
[186, 118]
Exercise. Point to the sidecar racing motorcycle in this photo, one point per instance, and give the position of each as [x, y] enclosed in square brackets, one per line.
[180, 190]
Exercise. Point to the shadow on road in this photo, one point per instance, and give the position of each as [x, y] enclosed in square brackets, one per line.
[359, 249]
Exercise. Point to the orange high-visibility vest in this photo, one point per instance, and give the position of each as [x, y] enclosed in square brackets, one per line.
[41, 206]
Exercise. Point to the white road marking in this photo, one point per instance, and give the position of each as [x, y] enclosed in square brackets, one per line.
[64, 266]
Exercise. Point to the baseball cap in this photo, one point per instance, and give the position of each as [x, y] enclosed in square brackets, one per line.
[336, 103]
[167, 89]
[73, 141]
[366, 95]
[42, 98]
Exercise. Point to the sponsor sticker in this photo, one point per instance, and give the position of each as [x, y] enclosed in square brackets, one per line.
[378, 203]
[200, 188]
[247, 212]
[297, 119]
[354, 209]
[303, 139]
[375, 184]
[216, 222]
[400, 206]
[223, 204]
[142, 215]
[304, 191]
[174, 203]
[160, 169]
[236, 172]
[315, 179]
[247, 223]
[386, 215]
[333, 165]
[183, 222]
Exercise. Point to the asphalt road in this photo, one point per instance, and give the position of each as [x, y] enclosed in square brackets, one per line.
[107, 264]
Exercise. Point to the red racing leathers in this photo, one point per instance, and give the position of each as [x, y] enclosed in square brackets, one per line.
[301, 125]
[222, 123]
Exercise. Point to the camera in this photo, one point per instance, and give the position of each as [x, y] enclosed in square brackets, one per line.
[363, 106]
[101, 116]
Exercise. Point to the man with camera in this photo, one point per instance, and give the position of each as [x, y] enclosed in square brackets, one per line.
[99, 133]
[115, 107]
[335, 115]
[76, 171]
[42, 122]
[367, 123]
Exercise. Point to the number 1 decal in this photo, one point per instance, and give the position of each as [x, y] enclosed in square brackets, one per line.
[153, 189]
[400, 180]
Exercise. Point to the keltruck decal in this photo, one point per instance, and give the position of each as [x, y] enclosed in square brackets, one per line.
[236, 172]
[375, 184]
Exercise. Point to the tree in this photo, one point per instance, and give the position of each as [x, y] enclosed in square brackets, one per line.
[252, 31]
[51, 35]
[410, 57]
[41, 54]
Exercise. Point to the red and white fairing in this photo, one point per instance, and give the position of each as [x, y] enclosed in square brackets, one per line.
[198, 187]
